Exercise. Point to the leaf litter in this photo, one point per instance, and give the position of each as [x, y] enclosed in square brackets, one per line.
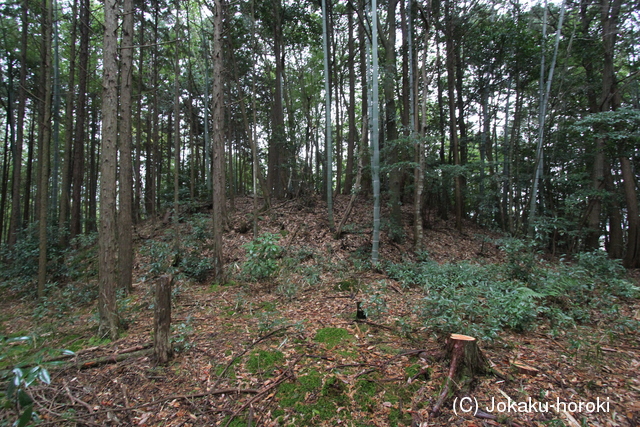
[248, 353]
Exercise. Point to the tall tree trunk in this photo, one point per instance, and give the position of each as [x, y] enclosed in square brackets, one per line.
[351, 109]
[251, 133]
[27, 184]
[327, 115]
[137, 204]
[107, 233]
[45, 129]
[277, 144]
[63, 222]
[75, 226]
[453, 132]
[505, 211]
[544, 98]
[420, 154]
[632, 255]
[364, 67]
[207, 139]
[443, 206]
[462, 126]
[192, 143]
[391, 126]
[217, 110]
[485, 143]
[14, 225]
[406, 86]
[56, 114]
[153, 138]
[176, 113]
[609, 99]
[615, 246]
[125, 215]
[339, 91]
[4, 176]
[375, 147]
[91, 223]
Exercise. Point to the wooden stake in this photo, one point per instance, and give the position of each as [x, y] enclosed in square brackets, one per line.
[162, 325]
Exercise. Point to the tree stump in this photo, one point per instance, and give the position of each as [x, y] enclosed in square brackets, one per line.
[162, 320]
[466, 358]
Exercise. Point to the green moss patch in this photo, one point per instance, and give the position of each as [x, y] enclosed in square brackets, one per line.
[312, 400]
[264, 361]
[331, 337]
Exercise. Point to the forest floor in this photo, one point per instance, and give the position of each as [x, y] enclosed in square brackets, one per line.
[290, 351]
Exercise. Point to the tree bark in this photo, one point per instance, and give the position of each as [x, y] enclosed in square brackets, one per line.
[176, 113]
[56, 115]
[327, 115]
[217, 111]
[375, 147]
[162, 321]
[366, 177]
[277, 144]
[137, 203]
[391, 126]
[26, 219]
[75, 224]
[63, 222]
[125, 215]
[14, 224]
[107, 233]
[91, 214]
[615, 246]
[8, 144]
[351, 112]
[453, 132]
[420, 154]
[609, 99]
[632, 255]
[45, 129]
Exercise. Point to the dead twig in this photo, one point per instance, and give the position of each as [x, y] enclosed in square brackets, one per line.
[77, 400]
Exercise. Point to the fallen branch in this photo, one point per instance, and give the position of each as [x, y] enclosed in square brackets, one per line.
[105, 360]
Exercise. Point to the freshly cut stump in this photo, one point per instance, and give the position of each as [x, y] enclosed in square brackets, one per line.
[466, 358]
[162, 321]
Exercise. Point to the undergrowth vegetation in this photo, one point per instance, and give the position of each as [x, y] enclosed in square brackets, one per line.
[520, 294]
[482, 300]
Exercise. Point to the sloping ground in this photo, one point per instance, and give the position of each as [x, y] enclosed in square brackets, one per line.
[289, 351]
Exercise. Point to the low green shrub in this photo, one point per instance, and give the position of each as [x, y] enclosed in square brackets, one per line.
[482, 300]
[263, 254]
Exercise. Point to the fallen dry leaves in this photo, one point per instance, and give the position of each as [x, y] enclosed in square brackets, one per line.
[218, 328]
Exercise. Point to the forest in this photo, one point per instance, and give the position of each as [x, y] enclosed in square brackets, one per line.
[356, 212]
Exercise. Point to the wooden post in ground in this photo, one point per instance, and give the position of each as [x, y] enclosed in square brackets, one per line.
[465, 355]
[162, 320]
